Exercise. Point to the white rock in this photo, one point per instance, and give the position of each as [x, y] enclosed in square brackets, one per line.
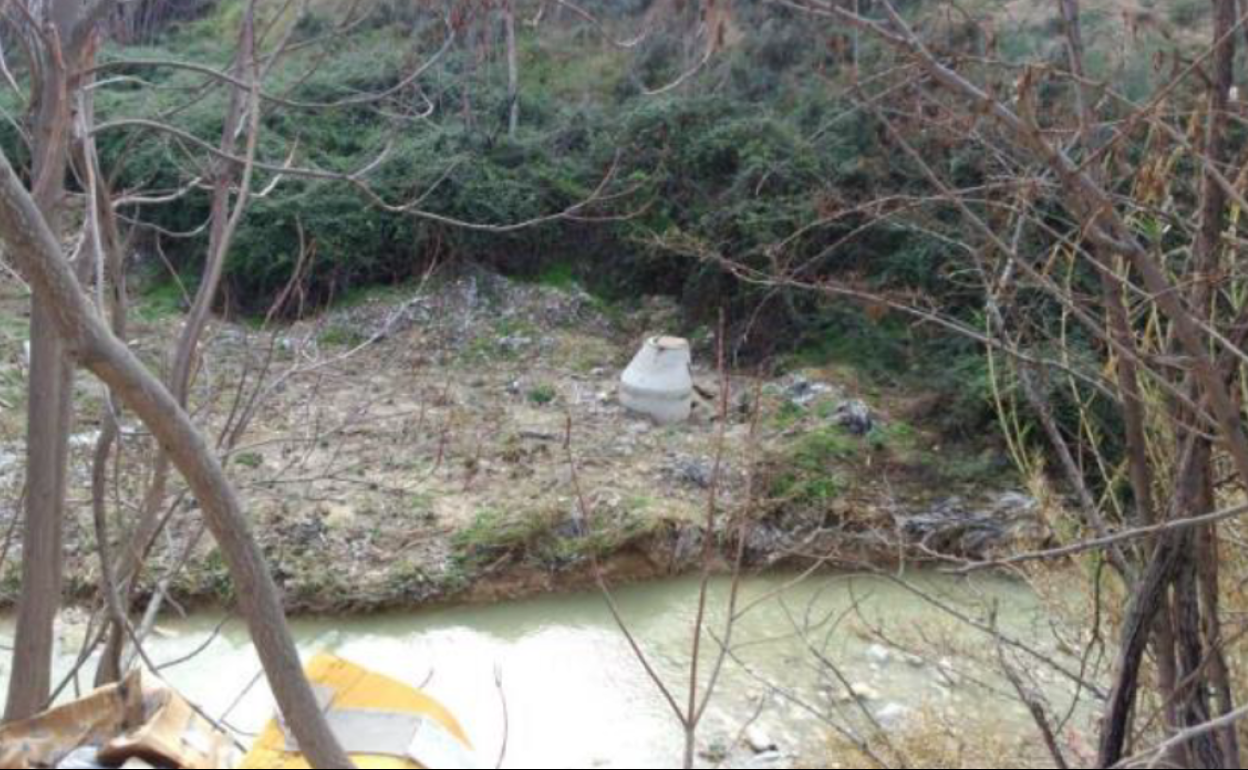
[758, 740]
[84, 440]
[879, 655]
[891, 715]
[947, 672]
[864, 692]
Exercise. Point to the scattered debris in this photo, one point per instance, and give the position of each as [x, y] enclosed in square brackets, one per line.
[113, 726]
[801, 391]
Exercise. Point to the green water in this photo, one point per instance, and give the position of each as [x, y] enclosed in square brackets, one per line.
[576, 695]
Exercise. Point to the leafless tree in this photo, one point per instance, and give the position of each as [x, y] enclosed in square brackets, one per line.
[1144, 198]
[69, 328]
[49, 414]
[36, 251]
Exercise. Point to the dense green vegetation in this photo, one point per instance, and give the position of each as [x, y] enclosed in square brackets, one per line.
[763, 159]
[733, 168]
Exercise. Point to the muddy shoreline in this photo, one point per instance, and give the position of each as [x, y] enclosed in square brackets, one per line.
[674, 550]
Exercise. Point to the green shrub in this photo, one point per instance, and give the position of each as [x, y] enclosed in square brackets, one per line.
[543, 395]
[252, 460]
[808, 471]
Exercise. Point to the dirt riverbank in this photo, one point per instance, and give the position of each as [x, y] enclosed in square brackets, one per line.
[462, 441]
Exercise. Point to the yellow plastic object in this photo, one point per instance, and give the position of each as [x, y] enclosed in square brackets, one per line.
[353, 687]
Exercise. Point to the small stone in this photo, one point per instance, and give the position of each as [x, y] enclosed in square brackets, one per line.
[515, 343]
[892, 715]
[948, 674]
[758, 740]
[879, 655]
[864, 692]
[691, 471]
[84, 440]
[855, 416]
[801, 391]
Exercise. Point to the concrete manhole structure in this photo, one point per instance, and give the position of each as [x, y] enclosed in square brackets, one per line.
[659, 383]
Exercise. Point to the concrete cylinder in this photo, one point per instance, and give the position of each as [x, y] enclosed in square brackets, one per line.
[658, 382]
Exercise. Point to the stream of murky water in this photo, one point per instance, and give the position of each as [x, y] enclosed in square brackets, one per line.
[577, 696]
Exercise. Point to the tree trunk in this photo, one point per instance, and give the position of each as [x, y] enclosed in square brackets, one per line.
[1190, 617]
[36, 254]
[67, 321]
[30, 685]
[513, 69]
[49, 411]
[224, 221]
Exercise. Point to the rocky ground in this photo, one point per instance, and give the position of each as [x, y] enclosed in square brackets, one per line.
[462, 441]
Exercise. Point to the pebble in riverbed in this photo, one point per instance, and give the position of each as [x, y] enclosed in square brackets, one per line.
[879, 655]
[892, 715]
[865, 692]
[858, 691]
[759, 741]
[756, 751]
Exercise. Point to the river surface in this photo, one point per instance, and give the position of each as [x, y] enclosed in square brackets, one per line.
[576, 695]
